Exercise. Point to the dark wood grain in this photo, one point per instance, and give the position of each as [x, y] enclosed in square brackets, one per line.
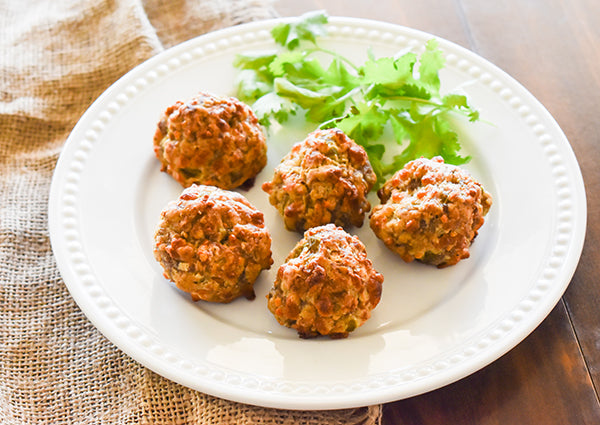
[541, 381]
[553, 48]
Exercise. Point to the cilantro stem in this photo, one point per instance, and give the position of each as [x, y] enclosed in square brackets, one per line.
[436, 106]
[332, 120]
[319, 49]
[348, 95]
[415, 99]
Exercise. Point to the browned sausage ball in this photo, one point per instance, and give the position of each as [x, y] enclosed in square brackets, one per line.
[430, 211]
[324, 179]
[213, 244]
[210, 140]
[327, 285]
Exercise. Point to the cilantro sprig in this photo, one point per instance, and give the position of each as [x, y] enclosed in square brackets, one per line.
[398, 93]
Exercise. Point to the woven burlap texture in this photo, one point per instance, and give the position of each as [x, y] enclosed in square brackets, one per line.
[55, 367]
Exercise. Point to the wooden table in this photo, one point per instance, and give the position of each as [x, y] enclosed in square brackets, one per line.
[553, 48]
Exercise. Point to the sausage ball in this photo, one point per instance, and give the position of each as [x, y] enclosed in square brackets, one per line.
[327, 285]
[210, 140]
[430, 211]
[324, 179]
[213, 244]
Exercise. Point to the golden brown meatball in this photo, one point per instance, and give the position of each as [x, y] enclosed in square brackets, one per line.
[324, 179]
[210, 140]
[430, 211]
[327, 285]
[213, 244]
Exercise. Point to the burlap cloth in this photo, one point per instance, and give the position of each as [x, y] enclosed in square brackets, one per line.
[55, 367]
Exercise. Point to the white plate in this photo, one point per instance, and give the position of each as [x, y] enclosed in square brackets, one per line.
[432, 326]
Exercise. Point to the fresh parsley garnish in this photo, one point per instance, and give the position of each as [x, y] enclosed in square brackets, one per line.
[398, 93]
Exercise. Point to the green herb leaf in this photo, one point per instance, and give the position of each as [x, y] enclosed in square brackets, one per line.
[432, 61]
[308, 27]
[254, 60]
[252, 85]
[273, 105]
[429, 135]
[365, 123]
